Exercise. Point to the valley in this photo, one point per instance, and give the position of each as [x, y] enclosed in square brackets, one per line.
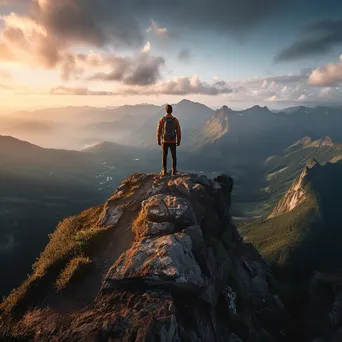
[263, 151]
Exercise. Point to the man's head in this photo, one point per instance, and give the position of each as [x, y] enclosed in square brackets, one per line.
[168, 109]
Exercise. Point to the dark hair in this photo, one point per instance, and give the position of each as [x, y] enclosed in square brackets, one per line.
[168, 109]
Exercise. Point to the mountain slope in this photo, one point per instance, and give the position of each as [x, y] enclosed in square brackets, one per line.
[303, 231]
[190, 115]
[159, 261]
[38, 187]
[246, 136]
[283, 169]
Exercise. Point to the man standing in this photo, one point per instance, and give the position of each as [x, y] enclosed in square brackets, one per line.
[169, 137]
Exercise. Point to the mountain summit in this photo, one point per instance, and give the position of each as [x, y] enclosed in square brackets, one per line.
[159, 261]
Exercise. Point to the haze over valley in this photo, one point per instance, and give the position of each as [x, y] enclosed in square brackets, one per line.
[264, 151]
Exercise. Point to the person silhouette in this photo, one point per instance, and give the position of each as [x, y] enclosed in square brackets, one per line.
[169, 137]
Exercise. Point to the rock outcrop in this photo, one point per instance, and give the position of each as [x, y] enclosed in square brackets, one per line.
[296, 195]
[186, 274]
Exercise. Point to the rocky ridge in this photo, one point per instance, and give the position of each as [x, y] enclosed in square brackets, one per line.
[186, 274]
[297, 194]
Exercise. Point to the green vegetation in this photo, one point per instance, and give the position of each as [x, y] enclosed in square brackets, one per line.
[283, 170]
[307, 238]
[277, 238]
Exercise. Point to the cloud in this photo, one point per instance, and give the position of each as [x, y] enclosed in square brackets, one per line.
[321, 37]
[302, 97]
[24, 40]
[142, 70]
[184, 55]
[278, 80]
[178, 86]
[79, 91]
[234, 17]
[147, 48]
[97, 23]
[160, 32]
[182, 86]
[327, 75]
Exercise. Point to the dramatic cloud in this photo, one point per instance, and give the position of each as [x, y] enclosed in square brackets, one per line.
[24, 40]
[142, 70]
[328, 75]
[322, 37]
[184, 55]
[99, 22]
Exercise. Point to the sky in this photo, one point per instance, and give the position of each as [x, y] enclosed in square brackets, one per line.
[238, 53]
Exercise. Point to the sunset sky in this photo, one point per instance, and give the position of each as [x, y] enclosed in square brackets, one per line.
[111, 52]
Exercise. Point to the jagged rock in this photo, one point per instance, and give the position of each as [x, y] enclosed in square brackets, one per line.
[181, 272]
[198, 244]
[110, 215]
[163, 208]
[166, 262]
[150, 229]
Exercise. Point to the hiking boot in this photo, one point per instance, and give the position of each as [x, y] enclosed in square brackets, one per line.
[174, 172]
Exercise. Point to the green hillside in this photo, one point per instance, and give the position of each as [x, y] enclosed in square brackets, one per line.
[303, 232]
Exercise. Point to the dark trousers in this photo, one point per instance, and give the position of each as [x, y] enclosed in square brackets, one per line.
[173, 149]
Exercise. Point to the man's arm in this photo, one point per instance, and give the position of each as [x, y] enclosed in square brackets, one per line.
[179, 132]
[159, 131]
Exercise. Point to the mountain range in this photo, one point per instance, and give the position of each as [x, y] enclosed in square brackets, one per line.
[286, 170]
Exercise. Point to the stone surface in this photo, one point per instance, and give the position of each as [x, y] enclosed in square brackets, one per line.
[163, 208]
[166, 262]
[152, 229]
[110, 215]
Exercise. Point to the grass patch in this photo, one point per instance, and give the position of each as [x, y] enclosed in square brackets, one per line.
[74, 270]
[138, 224]
[69, 247]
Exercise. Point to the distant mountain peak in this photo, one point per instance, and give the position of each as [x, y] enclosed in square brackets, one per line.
[186, 101]
[259, 107]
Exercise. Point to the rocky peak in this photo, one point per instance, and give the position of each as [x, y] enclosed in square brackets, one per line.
[259, 108]
[184, 274]
[295, 195]
[326, 141]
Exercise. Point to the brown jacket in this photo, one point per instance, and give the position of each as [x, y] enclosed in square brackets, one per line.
[161, 127]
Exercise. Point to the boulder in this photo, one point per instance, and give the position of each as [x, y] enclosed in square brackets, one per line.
[154, 229]
[164, 208]
[165, 262]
